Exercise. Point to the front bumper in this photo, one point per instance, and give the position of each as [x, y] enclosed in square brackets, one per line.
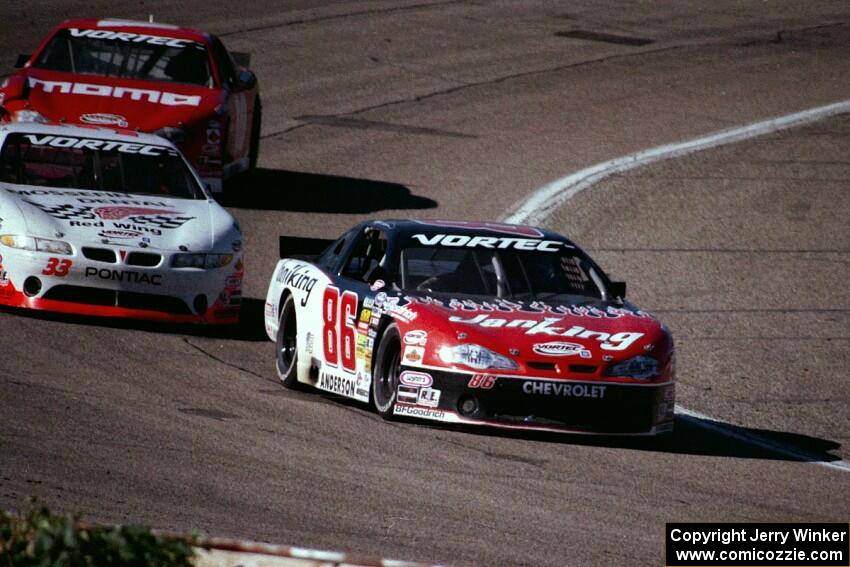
[576, 406]
[78, 285]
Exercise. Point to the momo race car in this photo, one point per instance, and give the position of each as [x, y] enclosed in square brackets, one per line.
[479, 323]
[177, 82]
[96, 222]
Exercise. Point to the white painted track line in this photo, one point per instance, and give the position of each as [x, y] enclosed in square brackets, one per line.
[545, 200]
[542, 202]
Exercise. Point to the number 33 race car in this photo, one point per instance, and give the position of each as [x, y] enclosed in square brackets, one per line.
[479, 323]
[96, 222]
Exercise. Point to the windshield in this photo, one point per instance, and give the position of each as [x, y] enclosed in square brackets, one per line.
[505, 273]
[69, 162]
[127, 55]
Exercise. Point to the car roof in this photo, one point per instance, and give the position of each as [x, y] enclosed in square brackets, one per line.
[136, 26]
[405, 227]
[84, 131]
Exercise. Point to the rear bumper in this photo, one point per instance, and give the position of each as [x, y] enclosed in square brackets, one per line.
[590, 407]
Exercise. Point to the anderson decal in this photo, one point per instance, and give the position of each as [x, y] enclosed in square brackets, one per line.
[500, 242]
[100, 145]
[124, 93]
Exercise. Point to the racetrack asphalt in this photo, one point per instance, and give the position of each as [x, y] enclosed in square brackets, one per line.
[460, 109]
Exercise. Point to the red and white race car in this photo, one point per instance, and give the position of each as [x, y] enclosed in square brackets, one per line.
[100, 222]
[177, 82]
[480, 323]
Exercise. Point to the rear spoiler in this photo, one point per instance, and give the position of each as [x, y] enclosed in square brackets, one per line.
[301, 247]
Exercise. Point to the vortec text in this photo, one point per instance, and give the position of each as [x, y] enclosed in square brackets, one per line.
[501, 242]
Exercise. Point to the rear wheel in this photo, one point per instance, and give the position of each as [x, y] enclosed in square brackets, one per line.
[287, 345]
[386, 372]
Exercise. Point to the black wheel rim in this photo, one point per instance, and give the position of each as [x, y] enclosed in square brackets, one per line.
[388, 380]
[287, 343]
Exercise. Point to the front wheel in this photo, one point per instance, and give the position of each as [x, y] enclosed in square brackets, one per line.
[287, 345]
[387, 368]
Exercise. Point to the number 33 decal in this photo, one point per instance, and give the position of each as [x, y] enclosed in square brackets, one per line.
[57, 267]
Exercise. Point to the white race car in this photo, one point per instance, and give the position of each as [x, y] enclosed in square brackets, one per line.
[97, 221]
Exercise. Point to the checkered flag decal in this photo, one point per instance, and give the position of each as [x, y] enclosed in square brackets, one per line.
[160, 221]
[65, 212]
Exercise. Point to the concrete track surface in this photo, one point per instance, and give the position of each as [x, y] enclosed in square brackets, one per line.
[462, 109]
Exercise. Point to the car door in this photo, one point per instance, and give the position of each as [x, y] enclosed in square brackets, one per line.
[348, 325]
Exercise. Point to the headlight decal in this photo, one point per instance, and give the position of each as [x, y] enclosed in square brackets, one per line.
[638, 367]
[477, 357]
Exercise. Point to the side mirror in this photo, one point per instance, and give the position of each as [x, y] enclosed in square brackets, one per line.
[246, 80]
[617, 289]
[22, 60]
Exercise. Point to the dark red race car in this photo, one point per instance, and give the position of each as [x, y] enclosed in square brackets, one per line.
[177, 82]
[479, 323]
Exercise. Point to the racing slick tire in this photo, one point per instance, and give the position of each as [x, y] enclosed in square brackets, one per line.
[287, 345]
[256, 126]
[386, 372]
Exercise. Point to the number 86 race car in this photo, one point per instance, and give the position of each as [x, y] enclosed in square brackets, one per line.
[478, 323]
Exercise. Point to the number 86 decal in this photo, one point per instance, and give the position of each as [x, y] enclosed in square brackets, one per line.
[339, 333]
[57, 267]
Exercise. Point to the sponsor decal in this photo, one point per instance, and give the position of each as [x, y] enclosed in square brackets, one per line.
[269, 309]
[308, 347]
[338, 384]
[561, 349]
[297, 277]
[400, 312]
[100, 145]
[414, 411]
[428, 397]
[410, 378]
[418, 337]
[116, 213]
[125, 93]
[616, 341]
[413, 354]
[365, 314]
[4, 275]
[379, 284]
[407, 394]
[104, 119]
[128, 276]
[564, 389]
[131, 37]
[500, 242]
[120, 234]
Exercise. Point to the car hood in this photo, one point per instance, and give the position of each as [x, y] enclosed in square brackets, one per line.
[123, 103]
[537, 332]
[86, 217]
